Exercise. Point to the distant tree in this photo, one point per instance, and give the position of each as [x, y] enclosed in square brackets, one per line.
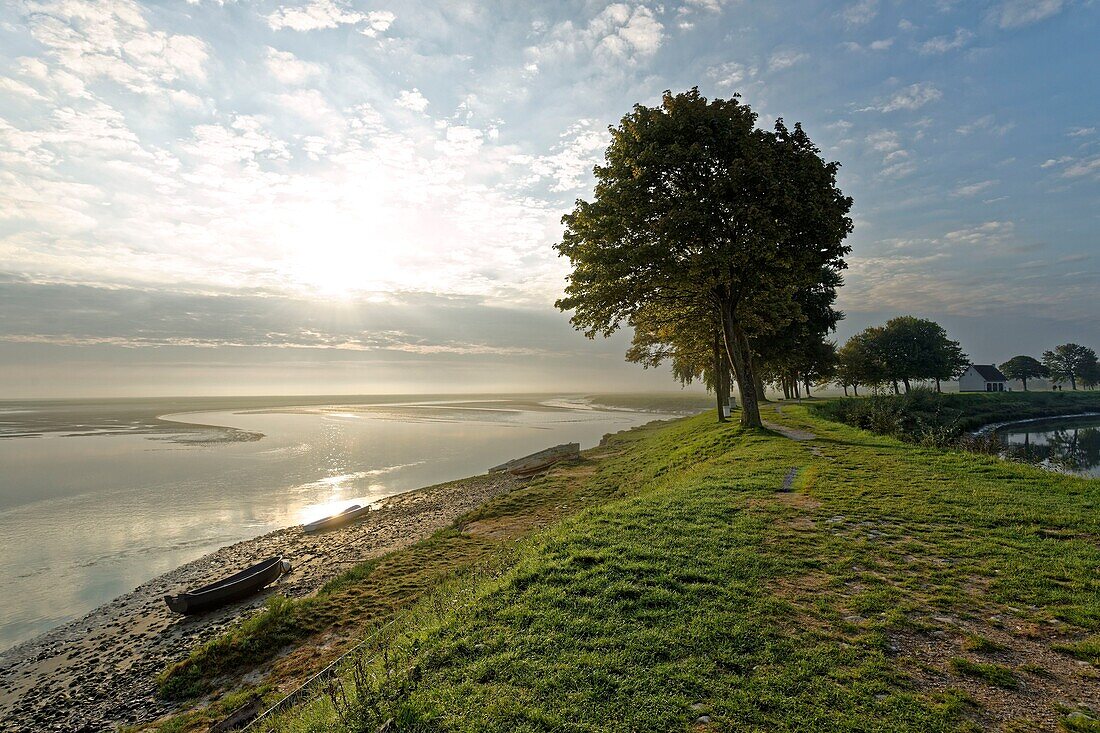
[1024, 368]
[917, 348]
[1069, 361]
[1090, 375]
[695, 207]
[861, 360]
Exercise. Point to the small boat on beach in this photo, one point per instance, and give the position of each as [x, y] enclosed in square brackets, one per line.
[538, 462]
[234, 588]
[347, 516]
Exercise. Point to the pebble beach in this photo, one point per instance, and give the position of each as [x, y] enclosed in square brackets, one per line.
[97, 673]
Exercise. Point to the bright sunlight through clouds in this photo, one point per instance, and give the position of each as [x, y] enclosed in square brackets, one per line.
[421, 154]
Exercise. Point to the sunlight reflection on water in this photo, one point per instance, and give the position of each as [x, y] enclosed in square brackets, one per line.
[87, 518]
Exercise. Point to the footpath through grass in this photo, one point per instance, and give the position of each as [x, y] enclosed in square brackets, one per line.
[896, 588]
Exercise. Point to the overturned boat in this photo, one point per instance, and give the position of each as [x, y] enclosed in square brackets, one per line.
[351, 514]
[540, 461]
[234, 588]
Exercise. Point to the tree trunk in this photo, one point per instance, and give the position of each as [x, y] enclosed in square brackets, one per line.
[719, 373]
[797, 389]
[855, 389]
[760, 395]
[896, 391]
[845, 389]
[807, 383]
[938, 385]
[905, 381]
[1073, 381]
[1024, 380]
[735, 342]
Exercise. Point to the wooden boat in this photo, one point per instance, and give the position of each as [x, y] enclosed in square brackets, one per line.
[540, 461]
[347, 516]
[235, 587]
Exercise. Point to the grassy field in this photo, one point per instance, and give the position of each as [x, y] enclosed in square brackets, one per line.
[674, 587]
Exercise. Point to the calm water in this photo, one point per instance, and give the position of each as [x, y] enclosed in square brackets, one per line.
[1071, 445]
[96, 497]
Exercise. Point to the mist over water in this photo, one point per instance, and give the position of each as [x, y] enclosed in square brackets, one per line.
[93, 504]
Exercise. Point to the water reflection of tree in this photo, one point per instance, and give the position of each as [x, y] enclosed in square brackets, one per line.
[1069, 449]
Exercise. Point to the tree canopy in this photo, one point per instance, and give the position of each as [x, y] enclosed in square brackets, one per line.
[1024, 368]
[1069, 361]
[906, 348]
[695, 209]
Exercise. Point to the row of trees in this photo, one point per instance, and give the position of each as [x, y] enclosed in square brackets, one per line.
[1065, 363]
[720, 244]
[906, 349]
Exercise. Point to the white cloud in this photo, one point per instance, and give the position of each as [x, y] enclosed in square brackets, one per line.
[985, 123]
[990, 235]
[1055, 161]
[943, 44]
[973, 189]
[860, 13]
[569, 165]
[323, 14]
[731, 74]
[288, 68]
[785, 59]
[618, 33]
[1018, 13]
[1081, 132]
[883, 44]
[412, 99]
[112, 40]
[911, 97]
[1083, 167]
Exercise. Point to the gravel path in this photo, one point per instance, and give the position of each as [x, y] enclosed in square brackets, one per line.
[97, 672]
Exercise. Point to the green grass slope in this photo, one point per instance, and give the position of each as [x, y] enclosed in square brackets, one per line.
[896, 588]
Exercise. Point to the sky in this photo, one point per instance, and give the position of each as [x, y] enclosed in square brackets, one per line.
[336, 196]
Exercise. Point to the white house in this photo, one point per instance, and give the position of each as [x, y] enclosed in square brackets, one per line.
[982, 378]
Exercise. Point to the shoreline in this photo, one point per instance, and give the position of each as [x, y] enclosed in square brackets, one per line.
[98, 671]
[994, 426]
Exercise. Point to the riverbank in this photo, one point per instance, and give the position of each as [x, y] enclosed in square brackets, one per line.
[742, 580]
[99, 671]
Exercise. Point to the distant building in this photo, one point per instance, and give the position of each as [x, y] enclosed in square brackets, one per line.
[982, 378]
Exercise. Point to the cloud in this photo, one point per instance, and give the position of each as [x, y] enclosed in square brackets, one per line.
[288, 68]
[883, 44]
[1081, 132]
[943, 44]
[985, 123]
[93, 40]
[412, 99]
[1019, 13]
[896, 160]
[860, 13]
[1084, 167]
[569, 165]
[973, 189]
[324, 14]
[731, 74]
[989, 235]
[89, 315]
[620, 32]
[785, 59]
[911, 97]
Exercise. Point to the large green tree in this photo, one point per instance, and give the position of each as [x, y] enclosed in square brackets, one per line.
[694, 207]
[1024, 368]
[1068, 361]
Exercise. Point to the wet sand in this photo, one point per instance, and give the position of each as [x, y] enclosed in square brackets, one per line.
[97, 672]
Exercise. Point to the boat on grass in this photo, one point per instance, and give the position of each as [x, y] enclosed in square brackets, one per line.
[349, 515]
[234, 588]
